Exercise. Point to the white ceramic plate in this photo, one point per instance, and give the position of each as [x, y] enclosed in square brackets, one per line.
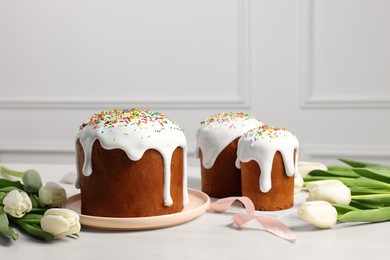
[197, 205]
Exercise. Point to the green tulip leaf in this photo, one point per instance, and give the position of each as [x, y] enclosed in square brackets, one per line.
[4, 225]
[366, 182]
[7, 183]
[372, 200]
[368, 215]
[359, 164]
[365, 191]
[339, 168]
[333, 173]
[375, 174]
[342, 208]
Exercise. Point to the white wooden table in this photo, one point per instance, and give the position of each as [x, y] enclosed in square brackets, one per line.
[210, 236]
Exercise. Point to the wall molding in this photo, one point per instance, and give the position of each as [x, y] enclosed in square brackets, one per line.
[239, 99]
[308, 97]
[36, 146]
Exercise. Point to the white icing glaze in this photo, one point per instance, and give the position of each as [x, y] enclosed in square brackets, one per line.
[261, 144]
[135, 131]
[216, 132]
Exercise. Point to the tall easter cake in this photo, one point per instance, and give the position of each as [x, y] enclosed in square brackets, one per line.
[216, 147]
[131, 163]
[268, 159]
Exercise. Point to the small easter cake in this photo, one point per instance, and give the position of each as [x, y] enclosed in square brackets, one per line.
[268, 159]
[131, 163]
[217, 139]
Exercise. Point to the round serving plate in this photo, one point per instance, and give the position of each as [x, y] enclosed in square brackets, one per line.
[197, 205]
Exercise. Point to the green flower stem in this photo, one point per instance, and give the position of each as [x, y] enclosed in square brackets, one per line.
[34, 200]
[2, 195]
[379, 200]
[4, 225]
[368, 215]
[33, 229]
[11, 172]
[32, 181]
[32, 218]
[31, 224]
[342, 209]
[40, 211]
[367, 191]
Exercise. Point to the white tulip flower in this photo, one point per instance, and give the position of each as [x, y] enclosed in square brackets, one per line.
[298, 183]
[60, 222]
[17, 203]
[305, 167]
[332, 191]
[52, 194]
[319, 213]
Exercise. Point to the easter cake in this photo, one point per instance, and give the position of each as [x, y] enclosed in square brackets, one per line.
[131, 163]
[268, 159]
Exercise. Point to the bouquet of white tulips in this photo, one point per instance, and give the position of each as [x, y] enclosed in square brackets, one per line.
[34, 208]
[358, 192]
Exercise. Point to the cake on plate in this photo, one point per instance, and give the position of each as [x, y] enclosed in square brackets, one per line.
[216, 146]
[268, 159]
[131, 163]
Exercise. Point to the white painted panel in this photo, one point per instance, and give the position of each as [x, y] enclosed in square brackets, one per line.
[346, 58]
[72, 53]
[301, 64]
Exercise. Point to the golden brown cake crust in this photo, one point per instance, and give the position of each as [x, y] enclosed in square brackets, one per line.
[224, 178]
[281, 194]
[120, 187]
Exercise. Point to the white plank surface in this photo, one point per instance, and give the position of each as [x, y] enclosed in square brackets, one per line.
[211, 236]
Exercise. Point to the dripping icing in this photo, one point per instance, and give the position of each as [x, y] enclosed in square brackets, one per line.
[135, 131]
[261, 144]
[217, 131]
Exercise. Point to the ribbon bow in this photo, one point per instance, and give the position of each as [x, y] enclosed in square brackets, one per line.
[269, 224]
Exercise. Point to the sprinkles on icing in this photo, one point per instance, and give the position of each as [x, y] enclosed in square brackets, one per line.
[266, 132]
[228, 120]
[142, 118]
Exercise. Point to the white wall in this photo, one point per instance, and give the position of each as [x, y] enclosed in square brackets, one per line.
[320, 68]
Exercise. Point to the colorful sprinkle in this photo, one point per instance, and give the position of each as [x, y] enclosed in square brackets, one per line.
[228, 120]
[266, 132]
[142, 118]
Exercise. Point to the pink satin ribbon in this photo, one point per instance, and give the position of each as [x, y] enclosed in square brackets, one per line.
[269, 224]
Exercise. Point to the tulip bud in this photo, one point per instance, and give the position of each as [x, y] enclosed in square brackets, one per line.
[32, 180]
[305, 167]
[52, 194]
[320, 213]
[332, 191]
[17, 203]
[60, 222]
